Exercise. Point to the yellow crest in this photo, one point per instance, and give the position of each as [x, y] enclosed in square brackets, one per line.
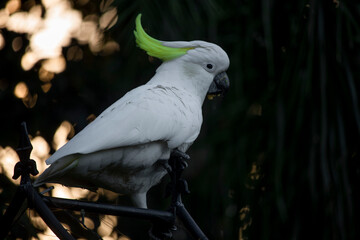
[154, 47]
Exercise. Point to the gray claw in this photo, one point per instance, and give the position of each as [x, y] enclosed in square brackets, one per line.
[179, 154]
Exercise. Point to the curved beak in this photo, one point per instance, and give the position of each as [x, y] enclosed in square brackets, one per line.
[219, 86]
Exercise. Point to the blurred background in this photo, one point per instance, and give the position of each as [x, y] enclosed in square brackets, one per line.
[277, 157]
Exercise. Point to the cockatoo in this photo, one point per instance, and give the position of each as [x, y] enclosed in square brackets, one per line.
[122, 148]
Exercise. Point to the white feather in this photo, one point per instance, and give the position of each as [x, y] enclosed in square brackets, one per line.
[120, 149]
[146, 114]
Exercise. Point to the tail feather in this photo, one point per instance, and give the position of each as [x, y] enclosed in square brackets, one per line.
[139, 199]
[57, 170]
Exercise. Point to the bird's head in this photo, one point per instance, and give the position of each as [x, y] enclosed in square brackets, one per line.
[203, 63]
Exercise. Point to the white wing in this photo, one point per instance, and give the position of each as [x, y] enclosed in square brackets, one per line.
[146, 114]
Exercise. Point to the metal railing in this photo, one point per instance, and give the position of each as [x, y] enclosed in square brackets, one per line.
[163, 221]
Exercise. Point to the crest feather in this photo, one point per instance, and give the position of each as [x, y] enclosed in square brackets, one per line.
[154, 47]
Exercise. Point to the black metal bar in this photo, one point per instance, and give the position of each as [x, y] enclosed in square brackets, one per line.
[8, 218]
[178, 187]
[142, 213]
[23, 169]
[163, 220]
[46, 214]
[189, 222]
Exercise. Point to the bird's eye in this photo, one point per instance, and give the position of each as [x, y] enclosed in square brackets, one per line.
[209, 66]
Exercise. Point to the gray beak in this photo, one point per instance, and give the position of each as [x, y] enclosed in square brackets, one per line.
[219, 86]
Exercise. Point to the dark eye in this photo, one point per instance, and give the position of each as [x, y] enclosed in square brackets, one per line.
[209, 66]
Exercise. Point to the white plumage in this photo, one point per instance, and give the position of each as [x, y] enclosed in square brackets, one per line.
[120, 149]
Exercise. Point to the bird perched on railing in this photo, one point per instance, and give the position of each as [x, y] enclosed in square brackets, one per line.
[121, 150]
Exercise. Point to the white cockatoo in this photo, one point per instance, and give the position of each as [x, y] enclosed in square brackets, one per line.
[120, 150]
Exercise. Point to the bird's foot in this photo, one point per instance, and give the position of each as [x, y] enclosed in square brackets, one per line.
[177, 164]
[178, 160]
[176, 153]
[165, 165]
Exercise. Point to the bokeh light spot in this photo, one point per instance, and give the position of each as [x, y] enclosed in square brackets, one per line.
[53, 25]
[28, 60]
[41, 148]
[106, 226]
[74, 53]
[25, 22]
[105, 5]
[40, 152]
[108, 19]
[46, 87]
[30, 100]
[124, 238]
[4, 16]
[21, 90]
[92, 18]
[13, 6]
[61, 135]
[2, 41]
[55, 65]
[110, 48]
[8, 159]
[17, 44]
[89, 223]
[36, 220]
[61, 191]
[45, 75]
[91, 118]
[79, 193]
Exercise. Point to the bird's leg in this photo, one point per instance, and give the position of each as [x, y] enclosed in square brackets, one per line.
[176, 153]
[177, 185]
